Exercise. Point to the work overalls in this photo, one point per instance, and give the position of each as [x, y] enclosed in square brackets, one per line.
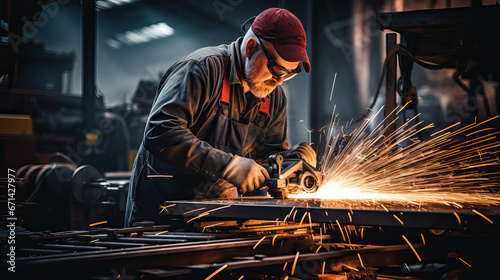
[166, 183]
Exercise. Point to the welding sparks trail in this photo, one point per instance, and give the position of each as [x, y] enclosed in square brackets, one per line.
[412, 248]
[215, 272]
[98, 223]
[399, 168]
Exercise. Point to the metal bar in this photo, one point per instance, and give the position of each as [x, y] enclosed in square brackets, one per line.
[111, 244]
[72, 248]
[138, 252]
[33, 251]
[181, 236]
[390, 84]
[432, 217]
[150, 240]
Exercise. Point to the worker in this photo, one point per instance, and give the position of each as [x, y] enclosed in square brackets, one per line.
[219, 113]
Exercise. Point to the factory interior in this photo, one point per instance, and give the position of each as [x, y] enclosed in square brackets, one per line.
[401, 107]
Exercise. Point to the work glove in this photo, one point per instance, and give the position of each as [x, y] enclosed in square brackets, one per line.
[302, 151]
[220, 189]
[245, 174]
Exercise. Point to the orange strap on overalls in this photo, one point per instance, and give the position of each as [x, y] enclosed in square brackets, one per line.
[264, 107]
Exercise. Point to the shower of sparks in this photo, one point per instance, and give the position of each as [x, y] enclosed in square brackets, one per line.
[398, 168]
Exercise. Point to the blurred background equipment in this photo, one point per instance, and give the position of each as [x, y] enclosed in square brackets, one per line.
[77, 80]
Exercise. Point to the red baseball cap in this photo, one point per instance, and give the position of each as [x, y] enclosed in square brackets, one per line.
[285, 31]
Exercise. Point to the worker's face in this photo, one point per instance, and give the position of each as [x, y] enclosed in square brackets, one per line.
[260, 81]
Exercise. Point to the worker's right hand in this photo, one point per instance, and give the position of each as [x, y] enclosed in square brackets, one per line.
[245, 174]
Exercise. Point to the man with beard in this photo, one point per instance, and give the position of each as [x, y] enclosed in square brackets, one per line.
[219, 113]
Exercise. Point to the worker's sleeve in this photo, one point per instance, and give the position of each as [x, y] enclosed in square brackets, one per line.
[184, 93]
[275, 138]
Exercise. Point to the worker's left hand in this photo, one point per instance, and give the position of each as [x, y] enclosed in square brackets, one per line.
[302, 151]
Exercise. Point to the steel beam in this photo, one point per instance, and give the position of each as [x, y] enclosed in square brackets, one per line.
[427, 217]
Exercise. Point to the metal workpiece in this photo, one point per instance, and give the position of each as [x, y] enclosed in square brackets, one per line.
[343, 212]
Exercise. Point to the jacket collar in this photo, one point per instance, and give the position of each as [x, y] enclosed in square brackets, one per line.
[237, 67]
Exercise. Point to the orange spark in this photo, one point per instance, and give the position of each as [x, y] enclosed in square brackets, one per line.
[301, 220]
[317, 250]
[164, 208]
[465, 262]
[255, 246]
[458, 218]
[361, 261]
[397, 218]
[274, 238]
[215, 272]
[482, 215]
[413, 249]
[194, 210]
[295, 262]
[341, 231]
[98, 223]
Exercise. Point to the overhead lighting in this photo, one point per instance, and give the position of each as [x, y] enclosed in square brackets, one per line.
[141, 35]
[108, 4]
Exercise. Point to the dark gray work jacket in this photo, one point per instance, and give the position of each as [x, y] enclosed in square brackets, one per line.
[191, 135]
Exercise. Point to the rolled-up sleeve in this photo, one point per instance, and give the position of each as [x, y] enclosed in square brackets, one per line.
[182, 96]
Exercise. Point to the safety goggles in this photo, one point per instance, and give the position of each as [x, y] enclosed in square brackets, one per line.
[275, 69]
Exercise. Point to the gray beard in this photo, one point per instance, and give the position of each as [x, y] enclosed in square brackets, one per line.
[259, 90]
